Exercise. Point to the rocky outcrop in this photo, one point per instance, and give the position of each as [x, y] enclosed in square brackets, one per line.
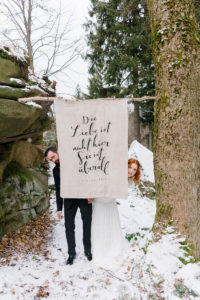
[16, 118]
[25, 195]
[23, 179]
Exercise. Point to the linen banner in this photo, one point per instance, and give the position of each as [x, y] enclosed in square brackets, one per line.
[93, 148]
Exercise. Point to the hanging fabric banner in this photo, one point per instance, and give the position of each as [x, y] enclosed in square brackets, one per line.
[93, 148]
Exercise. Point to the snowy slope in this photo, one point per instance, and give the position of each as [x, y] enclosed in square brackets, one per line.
[152, 269]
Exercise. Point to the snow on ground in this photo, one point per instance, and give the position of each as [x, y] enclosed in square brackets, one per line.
[152, 269]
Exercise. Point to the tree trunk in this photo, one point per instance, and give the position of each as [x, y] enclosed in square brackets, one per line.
[177, 115]
[134, 125]
[136, 120]
[28, 24]
[150, 138]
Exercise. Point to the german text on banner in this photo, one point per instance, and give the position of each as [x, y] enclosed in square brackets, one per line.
[93, 146]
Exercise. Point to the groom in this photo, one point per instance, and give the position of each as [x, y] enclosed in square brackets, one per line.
[70, 209]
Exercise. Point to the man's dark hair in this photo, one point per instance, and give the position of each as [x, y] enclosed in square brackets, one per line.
[53, 149]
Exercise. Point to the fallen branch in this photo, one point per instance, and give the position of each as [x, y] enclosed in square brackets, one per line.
[112, 275]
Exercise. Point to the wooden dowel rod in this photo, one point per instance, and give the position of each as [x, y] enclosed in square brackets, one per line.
[71, 100]
[29, 99]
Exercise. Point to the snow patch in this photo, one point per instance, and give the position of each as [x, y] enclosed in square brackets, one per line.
[31, 103]
[19, 81]
[130, 108]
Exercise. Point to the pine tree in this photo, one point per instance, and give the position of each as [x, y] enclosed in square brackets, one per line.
[120, 51]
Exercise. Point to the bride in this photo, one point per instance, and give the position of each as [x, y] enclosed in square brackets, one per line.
[108, 242]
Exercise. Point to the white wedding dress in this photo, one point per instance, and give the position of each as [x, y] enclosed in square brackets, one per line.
[108, 242]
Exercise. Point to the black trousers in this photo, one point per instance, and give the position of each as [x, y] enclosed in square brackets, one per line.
[70, 209]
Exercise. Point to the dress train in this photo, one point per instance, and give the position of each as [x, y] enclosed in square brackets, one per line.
[108, 242]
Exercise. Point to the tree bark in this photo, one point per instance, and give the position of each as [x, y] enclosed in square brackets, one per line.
[176, 53]
[134, 125]
[136, 120]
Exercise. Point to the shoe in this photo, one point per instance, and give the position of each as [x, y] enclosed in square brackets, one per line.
[70, 260]
[88, 255]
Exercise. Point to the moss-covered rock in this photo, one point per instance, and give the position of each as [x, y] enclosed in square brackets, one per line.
[12, 69]
[17, 219]
[24, 195]
[16, 117]
[23, 190]
[13, 93]
[27, 155]
[3, 165]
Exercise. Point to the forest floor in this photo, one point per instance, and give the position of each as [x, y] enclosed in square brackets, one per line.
[157, 266]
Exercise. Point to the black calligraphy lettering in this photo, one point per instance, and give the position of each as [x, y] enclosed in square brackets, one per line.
[94, 141]
[91, 131]
[75, 130]
[88, 144]
[85, 120]
[80, 158]
[105, 167]
[109, 123]
[91, 145]
[101, 150]
[85, 167]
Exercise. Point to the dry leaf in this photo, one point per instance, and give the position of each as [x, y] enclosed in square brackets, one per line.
[56, 273]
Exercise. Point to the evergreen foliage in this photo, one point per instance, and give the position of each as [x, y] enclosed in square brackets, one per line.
[120, 57]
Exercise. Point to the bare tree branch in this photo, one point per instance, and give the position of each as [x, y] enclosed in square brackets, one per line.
[41, 33]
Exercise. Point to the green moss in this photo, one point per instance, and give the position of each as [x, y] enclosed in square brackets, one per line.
[163, 210]
[12, 93]
[146, 246]
[188, 253]
[4, 54]
[31, 83]
[163, 31]
[15, 169]
[171, 4]
[163, 99]
[134, 236]
[182, 291]
[170, 223]
[1, 212]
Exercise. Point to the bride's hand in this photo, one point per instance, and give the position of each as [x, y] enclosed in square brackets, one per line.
[90, 200]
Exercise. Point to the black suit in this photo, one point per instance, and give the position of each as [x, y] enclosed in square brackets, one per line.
[70, 209]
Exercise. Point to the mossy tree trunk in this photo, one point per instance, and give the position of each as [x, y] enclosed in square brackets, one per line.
[176, 52]
[136, 120]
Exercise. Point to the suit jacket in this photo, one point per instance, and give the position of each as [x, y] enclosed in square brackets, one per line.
[56, 175]
[59, 200]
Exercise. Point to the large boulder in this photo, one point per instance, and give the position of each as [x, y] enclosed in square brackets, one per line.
[9, 92]
[12, 68]
[16, 117]
[24, 195]
[23, 186]
[26, 154]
